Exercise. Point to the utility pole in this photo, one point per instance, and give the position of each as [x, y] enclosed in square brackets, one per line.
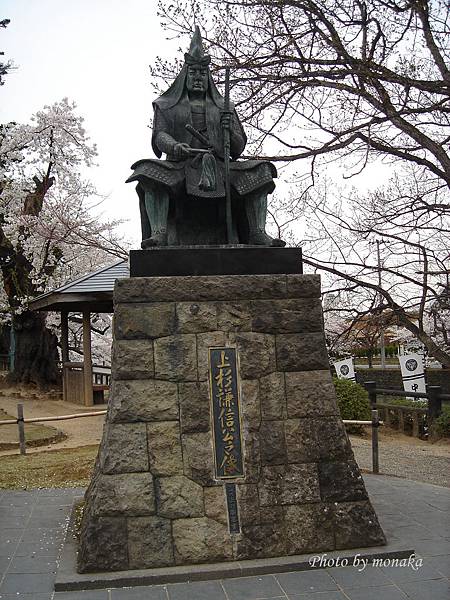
[382, 349]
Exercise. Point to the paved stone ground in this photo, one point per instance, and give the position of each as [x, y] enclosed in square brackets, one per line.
[32, 526]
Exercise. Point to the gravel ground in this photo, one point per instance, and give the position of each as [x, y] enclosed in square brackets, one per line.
[407, 457]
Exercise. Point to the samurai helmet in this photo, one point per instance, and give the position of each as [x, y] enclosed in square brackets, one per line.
[196, 54]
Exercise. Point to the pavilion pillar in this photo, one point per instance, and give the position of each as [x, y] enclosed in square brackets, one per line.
[64, 336]
[87, 360]
[64, 349]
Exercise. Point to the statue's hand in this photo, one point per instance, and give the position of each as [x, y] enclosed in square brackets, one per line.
[225, 119]
[182, 150]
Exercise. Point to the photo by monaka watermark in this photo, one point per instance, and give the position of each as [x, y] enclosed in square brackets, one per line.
[323, 561]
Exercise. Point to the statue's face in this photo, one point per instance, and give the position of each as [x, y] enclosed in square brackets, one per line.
[197, 78]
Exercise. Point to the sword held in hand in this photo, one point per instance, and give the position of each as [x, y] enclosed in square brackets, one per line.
[201, 138]
[208, 179]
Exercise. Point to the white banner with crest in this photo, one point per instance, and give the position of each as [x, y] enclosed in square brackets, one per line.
[413, 373]
[345, 369]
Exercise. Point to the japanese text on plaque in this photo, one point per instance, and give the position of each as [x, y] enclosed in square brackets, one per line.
[225, 413]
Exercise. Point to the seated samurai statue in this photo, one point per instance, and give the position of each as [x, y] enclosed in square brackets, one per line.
[182, 198]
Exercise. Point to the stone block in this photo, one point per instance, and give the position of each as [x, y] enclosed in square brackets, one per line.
[132, 359]
[144, 400]
[234, 316]
[309, 528]
[303, 286]
[250, 405]
[252, 456]
[310, 393]
[149, 542]
[256, 354]
[194, 407]
[356, 526]
[273, 398]
[215, 504]
[144, 321]
[292, 484]
[200, 541]
[198, 457]
[164, 449]
[341, 482]
[127, 494]
[334, 444]
[261, 541]
[104, 545]
[214, 339]
[302, 441]
[197, 288]
[301, 352]
[272, 514]
[179, 497]
[247, 497]
[300, 315]
[196, 317]
[176, 358]
[273, 443]
[124, 448]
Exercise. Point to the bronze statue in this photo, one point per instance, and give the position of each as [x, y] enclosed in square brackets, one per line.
[182, 198]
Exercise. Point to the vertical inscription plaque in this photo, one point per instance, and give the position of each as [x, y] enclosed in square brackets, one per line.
[232, 506]
[226, 418]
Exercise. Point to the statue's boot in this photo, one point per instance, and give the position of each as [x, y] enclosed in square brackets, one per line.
[256, 209]
[157, 207]
[159, 238]
[261, 238]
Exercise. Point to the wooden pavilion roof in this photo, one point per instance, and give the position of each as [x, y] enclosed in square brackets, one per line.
[92, 292]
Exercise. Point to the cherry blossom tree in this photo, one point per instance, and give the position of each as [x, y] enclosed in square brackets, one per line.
[50, 227]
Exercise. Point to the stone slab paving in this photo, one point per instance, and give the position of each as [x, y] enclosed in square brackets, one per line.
[32, 527]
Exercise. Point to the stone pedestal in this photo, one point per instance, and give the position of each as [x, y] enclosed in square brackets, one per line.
[154, 500]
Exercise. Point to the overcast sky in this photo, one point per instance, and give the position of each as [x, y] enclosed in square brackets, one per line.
[96, 53]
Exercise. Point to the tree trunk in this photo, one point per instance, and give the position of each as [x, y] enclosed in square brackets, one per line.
[36, 354]
[370, 359]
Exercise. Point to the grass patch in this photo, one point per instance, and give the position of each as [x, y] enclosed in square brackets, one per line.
[68, 467]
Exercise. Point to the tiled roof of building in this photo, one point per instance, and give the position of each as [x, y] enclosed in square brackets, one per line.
[93, 292]
[98, 281]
